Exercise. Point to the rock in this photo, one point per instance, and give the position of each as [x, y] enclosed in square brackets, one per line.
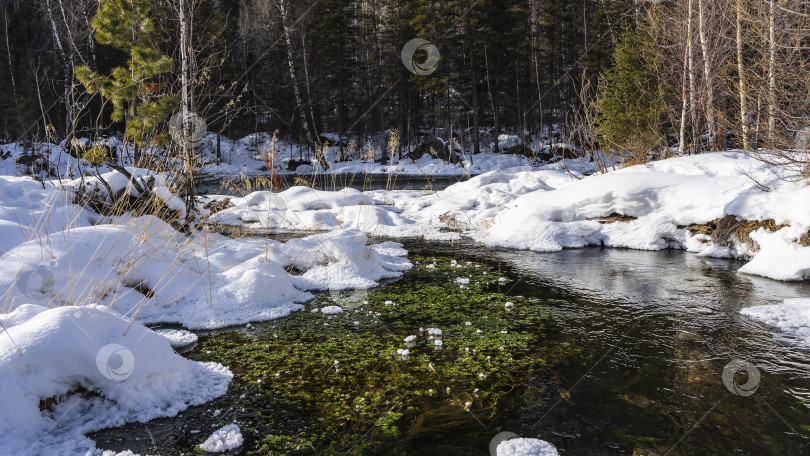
[293, 164]
[518, 149]
[433, 147]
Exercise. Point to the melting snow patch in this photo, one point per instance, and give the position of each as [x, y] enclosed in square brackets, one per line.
[526, 447]
[224, 439]
[178, 337]
[332, 310]
[792, 317]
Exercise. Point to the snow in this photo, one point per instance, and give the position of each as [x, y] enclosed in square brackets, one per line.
[332, 310]
[223, 439]
[779, 257]
[132, 372]
[201, 282]
[77, 289]
[549, 209]
[304, 208]
[526, 447]
[792, 317]
[178, 337]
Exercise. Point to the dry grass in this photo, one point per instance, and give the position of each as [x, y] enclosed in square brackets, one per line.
[730, 230]
[804, 240]
[614, 218]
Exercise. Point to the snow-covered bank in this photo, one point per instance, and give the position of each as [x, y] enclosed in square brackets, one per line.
[651, 207]
[67, 371]
[59, 253]
[77, 288]
[707, 204]
[253, 155]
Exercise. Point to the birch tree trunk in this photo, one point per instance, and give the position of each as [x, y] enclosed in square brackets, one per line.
[282, 7]
[771, 72]
[743, 89]
[68, 73]
[707, 75]
[10, 64]
[474, 82]
[691, 64]
[685, 105]
[184, 106]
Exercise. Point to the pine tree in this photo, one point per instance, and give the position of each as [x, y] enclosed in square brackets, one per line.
[631, 100]
[133, 90]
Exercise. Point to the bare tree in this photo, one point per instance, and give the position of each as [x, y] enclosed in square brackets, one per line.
[707, 75]
[285, 23]
[744, 123]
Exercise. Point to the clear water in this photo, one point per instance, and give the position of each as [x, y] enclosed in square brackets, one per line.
[360, 181]
[661, 327]
[657, 329]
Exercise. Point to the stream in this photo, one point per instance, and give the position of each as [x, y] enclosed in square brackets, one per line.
[652, 333]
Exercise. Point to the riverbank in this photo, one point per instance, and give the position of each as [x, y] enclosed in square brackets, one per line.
[59, 254]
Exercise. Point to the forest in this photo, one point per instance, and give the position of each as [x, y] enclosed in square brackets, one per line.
[636, 75]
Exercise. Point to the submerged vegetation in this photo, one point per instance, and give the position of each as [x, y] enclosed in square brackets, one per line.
[442, 345]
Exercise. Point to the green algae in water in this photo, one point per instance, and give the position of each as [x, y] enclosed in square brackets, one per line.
[338, 384]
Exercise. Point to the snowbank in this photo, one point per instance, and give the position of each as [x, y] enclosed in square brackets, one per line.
[303, 208]
[178, 337]
[57, 253]
[146, 270]
[792, 317]
[67, 371]
[644, 207]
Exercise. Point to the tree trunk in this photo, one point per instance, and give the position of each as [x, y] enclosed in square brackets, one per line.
[707, 75]
[474, 82]
[685, 103]
[691, 63]
[491, 99]
[10, 64]
[771, 72]
[185, 103]
[282, 7]
[743, 90]
[68, 74]
[309, 91]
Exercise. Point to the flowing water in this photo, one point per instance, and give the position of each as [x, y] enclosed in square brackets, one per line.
[330, 182]
[654, 332]
[661, 327]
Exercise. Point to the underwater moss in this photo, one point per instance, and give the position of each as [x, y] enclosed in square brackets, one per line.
[440, 351]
